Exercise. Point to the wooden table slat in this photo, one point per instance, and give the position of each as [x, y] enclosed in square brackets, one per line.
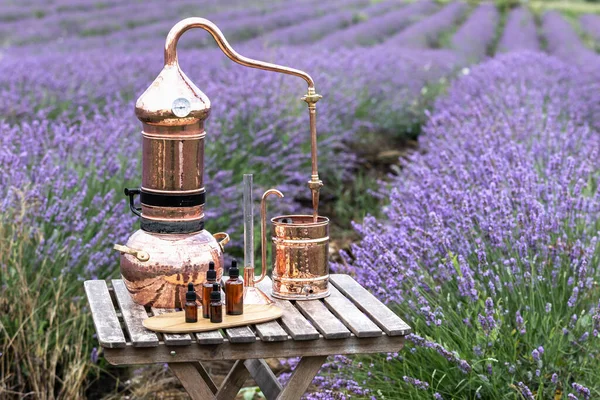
[350, 315]
[108, 327]
[210, 337]
[329, 326]
[133, 315]
[292, 320]
[387, 320]
[173, 339]
[271, 332]
[241, 334]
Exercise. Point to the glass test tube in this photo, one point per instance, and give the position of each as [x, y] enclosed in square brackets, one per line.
[248, 223]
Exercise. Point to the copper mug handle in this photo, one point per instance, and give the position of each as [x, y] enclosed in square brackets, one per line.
[224, 239]
[263, 229]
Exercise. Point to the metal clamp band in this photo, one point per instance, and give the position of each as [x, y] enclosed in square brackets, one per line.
[172, 200]
[149, 225]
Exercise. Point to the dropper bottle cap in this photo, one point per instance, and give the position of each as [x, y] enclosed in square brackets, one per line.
[191, 294]
[234, 271]
[215, 295]
[211, 274]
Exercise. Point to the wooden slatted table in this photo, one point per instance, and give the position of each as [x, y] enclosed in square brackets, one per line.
[350, 321]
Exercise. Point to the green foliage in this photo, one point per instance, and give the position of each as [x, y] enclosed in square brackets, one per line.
[355, 199]
[45, 330]
[503, 356]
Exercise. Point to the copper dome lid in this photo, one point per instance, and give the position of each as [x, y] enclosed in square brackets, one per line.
[172, 100]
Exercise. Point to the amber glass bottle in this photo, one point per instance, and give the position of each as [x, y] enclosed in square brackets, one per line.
[207, 286]
[216, 305]
[191, 308]
[234, 291]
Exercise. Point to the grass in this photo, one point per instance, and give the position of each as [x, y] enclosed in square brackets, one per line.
[566, 7]
[45, 329]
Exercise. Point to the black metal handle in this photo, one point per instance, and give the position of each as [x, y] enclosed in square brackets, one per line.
[132, 193]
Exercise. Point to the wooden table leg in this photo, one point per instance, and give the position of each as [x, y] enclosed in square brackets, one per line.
[200, 386]
[233, 382]
[205, 375]
[301, 378]
[264, 378]
[192, 380]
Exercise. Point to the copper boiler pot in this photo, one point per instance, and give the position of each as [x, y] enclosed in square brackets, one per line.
[173, 261]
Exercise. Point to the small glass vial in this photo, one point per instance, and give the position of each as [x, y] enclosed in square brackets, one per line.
[234, 291]
[207, 286]
[216, 305]
[191, 309]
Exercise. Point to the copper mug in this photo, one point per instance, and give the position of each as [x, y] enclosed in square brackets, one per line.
[300, 249]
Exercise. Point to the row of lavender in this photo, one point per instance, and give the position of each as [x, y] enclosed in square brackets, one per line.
[71, 141]
[343, 23]
[490, 242]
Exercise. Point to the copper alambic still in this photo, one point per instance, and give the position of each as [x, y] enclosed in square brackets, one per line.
[172, 248]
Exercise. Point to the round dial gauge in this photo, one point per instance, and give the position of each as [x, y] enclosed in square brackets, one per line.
[181, 107]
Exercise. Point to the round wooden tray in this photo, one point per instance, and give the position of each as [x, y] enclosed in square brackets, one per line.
[175, 322]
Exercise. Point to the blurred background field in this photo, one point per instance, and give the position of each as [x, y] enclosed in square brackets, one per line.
[465, 133]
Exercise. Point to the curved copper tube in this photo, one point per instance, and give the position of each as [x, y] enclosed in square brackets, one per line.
[310, 98]
[202, 23]
[263, 229]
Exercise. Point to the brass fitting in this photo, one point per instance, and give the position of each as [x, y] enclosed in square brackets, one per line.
[139, 254]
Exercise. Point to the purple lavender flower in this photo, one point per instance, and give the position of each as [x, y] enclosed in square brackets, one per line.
[419, 341]
[520, 323]
[488, 322]
[590, 23]
[596, 317]
[375, 30]
[94, 355]
[554, 378]
[564, 42]
[582, 390]
[473, 39]
[308, 31]
[525, 391]
[535, 354]
[573, 299]
[416, 383]
[425, 33]
[519, 32]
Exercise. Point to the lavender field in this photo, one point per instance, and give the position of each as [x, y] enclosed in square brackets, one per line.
[459, 146]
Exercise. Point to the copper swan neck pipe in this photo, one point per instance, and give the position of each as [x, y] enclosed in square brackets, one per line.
[215, 32]
[310, 98]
